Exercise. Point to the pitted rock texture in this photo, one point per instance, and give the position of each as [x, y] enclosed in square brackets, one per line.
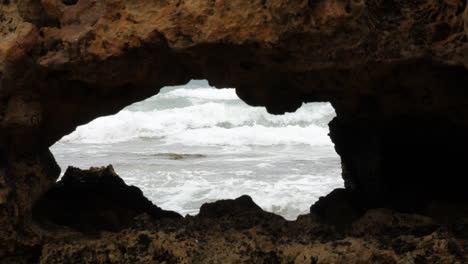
[382, 64]
[239, 231]
[99, 56]
[196, 243]
[82, 221]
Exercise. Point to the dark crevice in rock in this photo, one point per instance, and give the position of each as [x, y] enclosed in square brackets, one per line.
[70, 2]
[34, 12]
[25, 255]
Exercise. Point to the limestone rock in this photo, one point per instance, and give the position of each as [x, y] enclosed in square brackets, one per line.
[395, 72]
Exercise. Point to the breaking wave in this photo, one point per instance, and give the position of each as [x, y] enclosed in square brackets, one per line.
[195, 144]
[211, 117]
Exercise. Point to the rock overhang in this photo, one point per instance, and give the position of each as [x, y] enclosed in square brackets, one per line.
[384, 65]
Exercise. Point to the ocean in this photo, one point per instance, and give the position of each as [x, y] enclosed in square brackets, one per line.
[194, 144]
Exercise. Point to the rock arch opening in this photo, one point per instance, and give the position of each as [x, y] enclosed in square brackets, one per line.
[395, 72]
[194, 144]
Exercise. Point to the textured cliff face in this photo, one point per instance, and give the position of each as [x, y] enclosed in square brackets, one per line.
[390, 68]
[337, 230]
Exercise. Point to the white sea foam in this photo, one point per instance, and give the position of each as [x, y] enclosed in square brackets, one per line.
[209, 123]
[202, 93]
[284, 162]
[253, 135]
[289, 196]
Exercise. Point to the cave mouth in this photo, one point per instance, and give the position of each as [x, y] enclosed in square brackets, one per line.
[194, 144]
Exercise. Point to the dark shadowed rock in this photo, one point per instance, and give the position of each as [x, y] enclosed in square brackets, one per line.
[241, 212]
[243, 205]
[95, 200]
[339, 208]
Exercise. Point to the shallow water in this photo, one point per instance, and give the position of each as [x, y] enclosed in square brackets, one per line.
[194, 144]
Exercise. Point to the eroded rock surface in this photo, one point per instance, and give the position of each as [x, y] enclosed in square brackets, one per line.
[373, 239]
[394, 70]
[232, 231]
